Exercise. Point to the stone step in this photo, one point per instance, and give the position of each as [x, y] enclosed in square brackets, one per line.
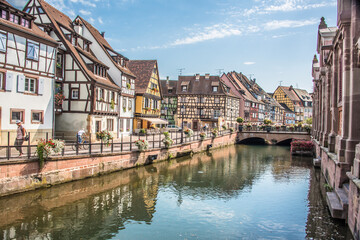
[317, 162]
[335, 207]
[343, 197]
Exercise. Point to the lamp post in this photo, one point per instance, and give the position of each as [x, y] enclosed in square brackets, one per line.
[182, 123]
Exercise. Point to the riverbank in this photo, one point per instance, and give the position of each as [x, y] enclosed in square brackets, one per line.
[25, 175]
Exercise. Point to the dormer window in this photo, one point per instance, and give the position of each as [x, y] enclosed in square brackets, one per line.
[214, 88]
[184, 88]
[3, 14]
[122, 62]
[25, 23]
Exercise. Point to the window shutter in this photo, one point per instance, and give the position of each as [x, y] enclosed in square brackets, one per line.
[41, 86]
[3, 42]
[20, 83]
[9, 81]
[36, 52]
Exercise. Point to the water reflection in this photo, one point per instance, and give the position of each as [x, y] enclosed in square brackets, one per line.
[237, 192]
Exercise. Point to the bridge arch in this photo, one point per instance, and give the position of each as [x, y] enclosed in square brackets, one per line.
[252, 141]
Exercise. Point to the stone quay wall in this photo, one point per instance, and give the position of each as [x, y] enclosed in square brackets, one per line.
[25, 175]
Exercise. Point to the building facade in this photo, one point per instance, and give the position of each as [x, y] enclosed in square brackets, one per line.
[27, 69]
[169, 101]
[118, 72]
[148, 93]
[205, 100]
[336, 133]
[91, 97]
[288, 96]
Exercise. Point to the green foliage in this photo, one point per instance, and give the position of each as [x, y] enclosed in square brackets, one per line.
[166, 134]
[128, 86]
[240, 120]
[142, 131]
[328, 188]
[309, 121]
[267, 121]
[112, 104]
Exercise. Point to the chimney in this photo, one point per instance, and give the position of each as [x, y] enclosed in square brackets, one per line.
[167, 80]
[291, 88]
[102, 34]
[207, 75]
[197, 77]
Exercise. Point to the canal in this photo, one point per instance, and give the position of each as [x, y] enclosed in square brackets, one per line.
[238, 192]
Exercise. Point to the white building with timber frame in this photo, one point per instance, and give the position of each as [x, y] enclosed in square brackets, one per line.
[27, 65]
[91, 97]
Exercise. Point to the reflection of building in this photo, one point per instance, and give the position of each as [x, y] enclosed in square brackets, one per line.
[169, 102]
[91, 97]
[148, 93]
[27, 59]
[205, 100]
[336, 128]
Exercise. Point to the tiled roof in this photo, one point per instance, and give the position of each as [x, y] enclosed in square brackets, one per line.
[291, 94]
[165, 87]
[286, 108]
[203, 86]
[233, 89]
[142, 70]
[236, 77]
[57, 17]
[34, 30]
[303, 94]
[105, 45]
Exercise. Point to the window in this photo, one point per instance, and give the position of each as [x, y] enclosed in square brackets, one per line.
[130, 104]
[169, 90]
[17, 114]
[110, 124]
[73, 41]
[25, 23]
[32, 51]
[217, 100]
[3, 38]
[75, 93]
[3, 14]
[30, 85]
[214, 88]
[124, 102]
[183, 88]
[37, 117]
[128, 124]
[113, 96]
[216, 113]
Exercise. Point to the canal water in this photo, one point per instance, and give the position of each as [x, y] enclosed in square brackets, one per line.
[238, 192]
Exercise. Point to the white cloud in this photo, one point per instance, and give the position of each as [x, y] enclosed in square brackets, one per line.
[84, 2]
[294, 5]
[84, 12]
[18, 3]
[249, 63]
[91, 20]
[100, 20]
[277, 24]
[213, 32]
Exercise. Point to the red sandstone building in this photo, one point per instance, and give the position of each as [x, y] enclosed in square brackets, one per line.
[336, 128]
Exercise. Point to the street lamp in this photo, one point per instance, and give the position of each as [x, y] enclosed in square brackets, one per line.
[182, 122]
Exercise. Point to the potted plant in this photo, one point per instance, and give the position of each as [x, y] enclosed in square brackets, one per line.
[214, 132]
[45, 148]
[224, 127]
[142, 132]
[142, 144]
[202, 136]
[248, 126]
[232, 130]
[124, 109]
[128, 85]
[167, 140]
[105, 136]
[240, 120]
[189, 132]
[291, 127]
[112, 104]
[267, 122]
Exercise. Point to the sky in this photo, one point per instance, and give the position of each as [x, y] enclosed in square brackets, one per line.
[272, 41]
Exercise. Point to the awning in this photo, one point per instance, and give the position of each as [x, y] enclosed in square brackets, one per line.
[156, 120]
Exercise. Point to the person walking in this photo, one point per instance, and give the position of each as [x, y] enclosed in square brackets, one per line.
[20, 137]
[80, 134]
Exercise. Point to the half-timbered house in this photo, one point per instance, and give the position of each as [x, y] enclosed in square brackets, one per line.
[27, 64]
[91, 98]
[288, 96]
[169, 101]
[148, 93]
[205, 100]
[118, 72]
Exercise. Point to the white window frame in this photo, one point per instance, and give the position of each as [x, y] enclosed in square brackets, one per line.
[2, 78]
[27, 87]
[73, 95]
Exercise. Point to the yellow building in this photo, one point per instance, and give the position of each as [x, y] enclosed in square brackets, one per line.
[148, 93]
[287, 96]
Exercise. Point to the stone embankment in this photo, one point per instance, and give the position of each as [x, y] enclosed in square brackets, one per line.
[25, 175]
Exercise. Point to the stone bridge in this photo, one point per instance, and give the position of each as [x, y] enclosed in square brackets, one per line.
[273, 137]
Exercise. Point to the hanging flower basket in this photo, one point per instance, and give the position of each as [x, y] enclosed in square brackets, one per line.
[105, 136]
[168, 142]
[142, 145]
[202, 136]
[215, 132]
[231, 130]
[189, 132]
[59, 99]
[45, 148]
[128, 86]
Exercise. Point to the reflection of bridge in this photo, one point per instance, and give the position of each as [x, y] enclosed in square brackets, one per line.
[273, 137]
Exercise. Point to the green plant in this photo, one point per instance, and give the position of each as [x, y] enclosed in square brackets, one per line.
[215, 132]
[267, 121]
[189, 132]
[224, 127]
[143, 131]
[232, 130]
[168, 142]
[128, 85]
[45, 148]
[58, 65]
[202, 135]
[112, 104]
[124, 109]
[240, 120]
[105, 136]
[166, 134]
[328, 188]
[142, 144]
[170, 156]
[309, 121]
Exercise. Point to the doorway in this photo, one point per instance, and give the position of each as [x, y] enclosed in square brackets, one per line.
[97, 126]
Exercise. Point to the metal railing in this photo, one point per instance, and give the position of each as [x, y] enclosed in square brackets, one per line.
[123, 144]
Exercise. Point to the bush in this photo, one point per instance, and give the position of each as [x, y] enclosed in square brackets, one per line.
[267, 121]
[240, 120]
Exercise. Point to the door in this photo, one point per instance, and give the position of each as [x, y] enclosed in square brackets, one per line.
[195, 125]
